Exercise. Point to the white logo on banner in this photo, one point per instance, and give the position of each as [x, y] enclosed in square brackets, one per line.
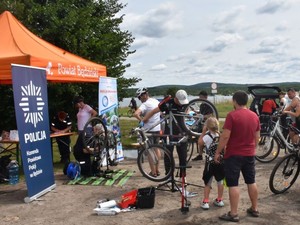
[36, 114]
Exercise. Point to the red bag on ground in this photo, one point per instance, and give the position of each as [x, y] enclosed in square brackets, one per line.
[128, 199]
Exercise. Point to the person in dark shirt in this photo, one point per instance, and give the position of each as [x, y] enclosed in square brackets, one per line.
[175, 105]
[62, 124]
[84, 154]
[133, 104]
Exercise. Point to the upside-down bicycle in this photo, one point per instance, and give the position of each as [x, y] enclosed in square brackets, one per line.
[193, 116]
[101, 142]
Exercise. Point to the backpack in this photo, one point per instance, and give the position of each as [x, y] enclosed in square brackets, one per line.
[211, 151]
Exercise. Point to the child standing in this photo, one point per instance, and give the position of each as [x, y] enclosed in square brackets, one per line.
[211, 168]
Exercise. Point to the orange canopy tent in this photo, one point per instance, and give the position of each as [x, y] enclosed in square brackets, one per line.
[19, 46]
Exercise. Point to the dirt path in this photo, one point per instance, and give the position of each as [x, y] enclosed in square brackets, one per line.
[73, 204]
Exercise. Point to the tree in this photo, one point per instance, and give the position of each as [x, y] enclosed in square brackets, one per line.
[87, 28]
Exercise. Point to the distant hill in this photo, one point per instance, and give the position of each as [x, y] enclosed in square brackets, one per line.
[223, 88]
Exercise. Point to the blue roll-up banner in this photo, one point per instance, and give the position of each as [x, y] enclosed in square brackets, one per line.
[31, 108]
[108, 107]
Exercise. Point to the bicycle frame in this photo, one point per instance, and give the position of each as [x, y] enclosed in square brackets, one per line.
[277, 132]
[168, 119]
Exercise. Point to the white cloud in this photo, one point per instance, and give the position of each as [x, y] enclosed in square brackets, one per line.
[159, 67]
[223, 41]
[228, 21]
[188, 42]
[273, 6]
[270, 45]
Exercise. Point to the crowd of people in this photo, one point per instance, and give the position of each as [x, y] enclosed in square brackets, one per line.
[234, 152]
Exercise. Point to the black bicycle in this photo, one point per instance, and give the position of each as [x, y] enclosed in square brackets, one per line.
[101, 142]
[285, 172]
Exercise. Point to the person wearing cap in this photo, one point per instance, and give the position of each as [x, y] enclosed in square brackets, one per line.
[61, 123]
[175, 105]
[85, 112]
[148, 104]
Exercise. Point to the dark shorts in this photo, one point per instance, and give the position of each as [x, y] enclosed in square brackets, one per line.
[234, 165]
[155, 138]
[213, 170]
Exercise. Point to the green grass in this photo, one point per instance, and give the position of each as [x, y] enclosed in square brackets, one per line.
[126, 126]
[224, 108]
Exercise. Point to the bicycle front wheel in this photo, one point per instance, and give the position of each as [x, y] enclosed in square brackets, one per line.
[130, 113]
[284, 174]
[196, 113]
[95, 133]
[267, 149]
[156, 163]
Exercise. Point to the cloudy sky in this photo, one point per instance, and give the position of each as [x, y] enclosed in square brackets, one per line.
[226, 41]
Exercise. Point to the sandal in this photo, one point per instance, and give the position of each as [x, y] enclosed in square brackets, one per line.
[252, 212]
[157, 173]
[152, 175]
[229, 217]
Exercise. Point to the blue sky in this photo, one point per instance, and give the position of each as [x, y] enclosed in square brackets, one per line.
[224, 41]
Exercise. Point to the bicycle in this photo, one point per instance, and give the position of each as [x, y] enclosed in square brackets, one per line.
[130, 112]
[285, 172]
[192, 119]
[273, 138]
[192, 147]
[102, 142]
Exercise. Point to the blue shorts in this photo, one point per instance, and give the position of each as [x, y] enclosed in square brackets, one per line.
[234, 165]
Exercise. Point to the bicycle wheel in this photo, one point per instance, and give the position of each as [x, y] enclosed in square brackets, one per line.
[196, 112]
[284, 174]
[191, 148]
[158, 158]
[130, 113]
[94, 133]
[268, 149]
[112, 149]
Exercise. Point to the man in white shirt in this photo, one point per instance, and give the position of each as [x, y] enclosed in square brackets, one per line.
[148, 104]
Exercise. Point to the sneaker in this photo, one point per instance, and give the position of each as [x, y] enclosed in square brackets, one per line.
[198, 157]
[252, 212]
[205, 205]
[229, 217]
[218, 203]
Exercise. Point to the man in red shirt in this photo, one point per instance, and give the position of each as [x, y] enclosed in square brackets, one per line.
[268, 106]
[241, 132]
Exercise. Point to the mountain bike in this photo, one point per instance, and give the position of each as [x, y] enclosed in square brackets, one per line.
[130, 112]
[273, 139]
[101, 142]
[157, 153]
[285, 172]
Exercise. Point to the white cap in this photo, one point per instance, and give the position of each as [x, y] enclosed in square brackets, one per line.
[181, 95]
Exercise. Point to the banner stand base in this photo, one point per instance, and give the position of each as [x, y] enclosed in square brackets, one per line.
[32, 198]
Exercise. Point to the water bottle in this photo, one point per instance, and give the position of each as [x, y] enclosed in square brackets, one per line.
[13, 171]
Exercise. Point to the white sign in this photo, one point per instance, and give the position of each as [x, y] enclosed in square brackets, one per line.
[214, 86]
